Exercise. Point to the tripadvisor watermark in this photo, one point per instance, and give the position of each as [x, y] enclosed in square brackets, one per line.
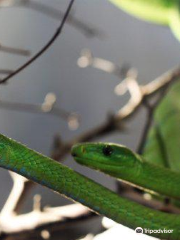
[157, 230]
[140, 230]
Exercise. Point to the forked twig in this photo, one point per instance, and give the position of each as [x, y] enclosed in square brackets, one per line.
[43, 50]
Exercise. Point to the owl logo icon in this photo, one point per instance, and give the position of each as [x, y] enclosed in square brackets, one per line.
[139, 230]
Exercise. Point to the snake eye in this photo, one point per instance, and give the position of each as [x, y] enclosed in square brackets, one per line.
[107, 150]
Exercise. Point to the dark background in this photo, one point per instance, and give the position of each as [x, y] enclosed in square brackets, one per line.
[149, 48]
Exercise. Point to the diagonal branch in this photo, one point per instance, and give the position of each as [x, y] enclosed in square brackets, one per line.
[43, 50]
[47, 107]
[85, 28]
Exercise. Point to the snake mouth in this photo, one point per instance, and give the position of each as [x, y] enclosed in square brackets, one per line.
[77, 150]
[99, 165]
[83, 161]
[88, 162]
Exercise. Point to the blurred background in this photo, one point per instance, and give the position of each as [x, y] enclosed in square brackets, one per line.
[149, 48]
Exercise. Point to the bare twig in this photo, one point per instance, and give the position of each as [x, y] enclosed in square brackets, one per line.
[86, 29]
[9, 3]
[12, 50]
[129, 84]
[161, 82]
[86, 59]
[43, 50]
[47, 107]
[151, 109]
[145, 130]
[5, 71]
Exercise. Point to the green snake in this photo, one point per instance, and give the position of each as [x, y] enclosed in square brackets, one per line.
[41, 169]
[157, 171]
[164, 12]
[151, 174]
[117, 161]
[162, 146]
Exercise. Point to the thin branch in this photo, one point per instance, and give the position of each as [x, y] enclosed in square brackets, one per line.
[16, 51]
[86, 29]
[10, 3]
[6, 71]
[43, 50]
[47, 107]
[87, 60]
[147, 126]
[161, 82]
[151, 109]
[131, 85]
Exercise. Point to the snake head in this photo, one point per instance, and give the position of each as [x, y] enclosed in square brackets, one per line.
[109, 158]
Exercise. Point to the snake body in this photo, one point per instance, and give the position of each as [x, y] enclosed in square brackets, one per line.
[123, 164]
[162, 146]
[165, 12]
[41, 169]
[159, 167]
[155, 174]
